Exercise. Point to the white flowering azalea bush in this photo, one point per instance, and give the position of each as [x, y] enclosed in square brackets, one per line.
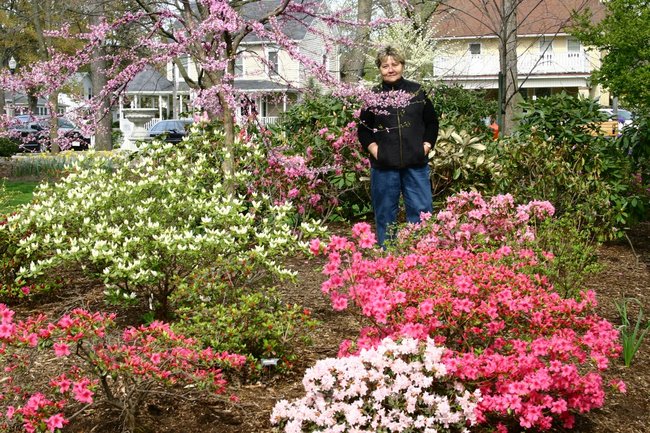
[398, 386]
[150, 219]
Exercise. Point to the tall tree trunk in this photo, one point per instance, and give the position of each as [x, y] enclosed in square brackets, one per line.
[53, 105]
[2, 102]
[508, 58]
[354, 61]
[103, 120]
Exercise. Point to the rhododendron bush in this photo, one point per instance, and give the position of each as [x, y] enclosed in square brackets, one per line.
[315, 161]
[467, 284]
[89, 363]
[395, 387]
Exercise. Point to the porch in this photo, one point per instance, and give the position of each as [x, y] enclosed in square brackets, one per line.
[474, 65]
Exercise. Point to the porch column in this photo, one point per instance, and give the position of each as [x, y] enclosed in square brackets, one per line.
[160, 115]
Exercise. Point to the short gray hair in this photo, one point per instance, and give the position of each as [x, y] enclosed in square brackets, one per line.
[389, 51]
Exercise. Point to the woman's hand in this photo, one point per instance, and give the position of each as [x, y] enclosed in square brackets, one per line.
[373, 148]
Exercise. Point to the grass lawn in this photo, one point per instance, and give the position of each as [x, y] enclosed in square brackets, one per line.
[15, 194]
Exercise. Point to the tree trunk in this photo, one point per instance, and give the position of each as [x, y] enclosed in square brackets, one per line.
[103, 120]
[228, 166]
[2, 102]
[354, 61]
[53, 104]
[508, 57]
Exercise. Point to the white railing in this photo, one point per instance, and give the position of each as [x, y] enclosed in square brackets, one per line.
[478, 65]
[268, 120]
[151, 123]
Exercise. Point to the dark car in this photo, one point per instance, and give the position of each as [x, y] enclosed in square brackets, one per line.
[170, 130]
[34, 133]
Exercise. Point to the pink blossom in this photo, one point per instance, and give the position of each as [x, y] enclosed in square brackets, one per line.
[7, 330]
[61, 349]
[314, 246]
[55, 421]
[81, 392]
[619, 385]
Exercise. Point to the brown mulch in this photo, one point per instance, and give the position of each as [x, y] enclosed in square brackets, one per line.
[625, 273]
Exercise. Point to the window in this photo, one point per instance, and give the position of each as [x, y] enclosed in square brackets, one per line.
[573, 47]
[272, 61]
[475, 49]
[148, 102]
[185, 61]
[239, 66]
[545, 46]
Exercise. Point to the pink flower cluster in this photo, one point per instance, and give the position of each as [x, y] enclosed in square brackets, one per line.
[92, 360]
[534, 356]
[305, 179]
[469, 221]
[395, 387]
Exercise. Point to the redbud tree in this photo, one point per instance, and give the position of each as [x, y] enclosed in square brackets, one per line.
[210, 33]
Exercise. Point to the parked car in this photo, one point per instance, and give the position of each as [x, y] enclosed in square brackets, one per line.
[34, 134]
[624, 117]
[171, 130]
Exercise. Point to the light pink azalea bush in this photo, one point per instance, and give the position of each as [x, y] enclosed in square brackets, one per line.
[88, 364]
[470, 221]
[394, 387]
[535, 357]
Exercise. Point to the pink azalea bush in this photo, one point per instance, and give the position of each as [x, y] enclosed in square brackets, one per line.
[470, 221]
[88, 364]
[397, 386]
[535, 357]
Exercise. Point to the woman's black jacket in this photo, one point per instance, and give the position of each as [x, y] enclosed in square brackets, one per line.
[399, 132]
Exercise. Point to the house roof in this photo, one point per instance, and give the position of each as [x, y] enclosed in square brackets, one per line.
[472, 18]
[149, 81]
[260, 86]
[295, 24]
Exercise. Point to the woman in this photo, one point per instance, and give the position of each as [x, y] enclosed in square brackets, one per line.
[398, 140]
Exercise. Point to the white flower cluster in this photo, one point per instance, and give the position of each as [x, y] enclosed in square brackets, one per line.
[396, 387]
[146, 220]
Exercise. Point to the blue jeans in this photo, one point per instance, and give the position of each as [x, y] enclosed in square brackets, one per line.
[386, 185]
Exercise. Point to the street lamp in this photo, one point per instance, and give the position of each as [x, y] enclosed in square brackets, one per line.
[12, 68]
[12, 65]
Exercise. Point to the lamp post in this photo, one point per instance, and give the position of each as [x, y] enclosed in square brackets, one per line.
[12, 68]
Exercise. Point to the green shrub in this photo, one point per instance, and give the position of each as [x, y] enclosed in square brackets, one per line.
[143, 222]
[635, 142]
[464, 109]
[9, 146]
[251, 321]
[557, 154]
[574, 254]
[461, 162]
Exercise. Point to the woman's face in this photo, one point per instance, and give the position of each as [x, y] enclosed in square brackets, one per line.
[391, 70]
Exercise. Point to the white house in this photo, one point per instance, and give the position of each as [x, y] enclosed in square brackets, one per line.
[550, 60]
[265, 74]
